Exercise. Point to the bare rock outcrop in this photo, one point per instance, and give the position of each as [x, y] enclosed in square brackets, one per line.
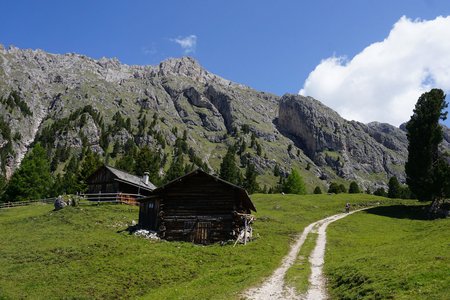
[355, 150]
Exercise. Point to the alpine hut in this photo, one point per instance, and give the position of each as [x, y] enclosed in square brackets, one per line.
[197, 207]
[109, 181]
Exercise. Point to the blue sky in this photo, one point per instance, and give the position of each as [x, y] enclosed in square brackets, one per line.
[272, 46]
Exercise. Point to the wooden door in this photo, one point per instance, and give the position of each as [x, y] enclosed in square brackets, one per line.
[148, 214]
[202, 233]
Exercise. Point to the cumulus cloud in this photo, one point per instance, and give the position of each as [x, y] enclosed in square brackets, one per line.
[383, 82]
[188, 43]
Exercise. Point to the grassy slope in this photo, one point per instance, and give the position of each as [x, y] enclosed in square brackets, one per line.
[389, 253]
[77, 252]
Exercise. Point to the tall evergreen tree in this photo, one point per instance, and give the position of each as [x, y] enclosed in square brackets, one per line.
[126, 163]
[250, 183]
[89, 165]
[294, 184]
[395, 189]
[317, 190]
[334, 188]
[229, 170]
[33, 179]
[354, 188]
[426, 169]
[148, 161]
[176, 169]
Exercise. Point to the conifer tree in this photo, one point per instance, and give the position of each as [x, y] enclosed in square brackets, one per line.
[33, 179]
[317, 190]
[395, 190]
[354, 188]
[90, 164]
[334, 188]
[250, 183]
[427, 171]
[229, 171]
[148, 161]
[176, 169]
[294, 184]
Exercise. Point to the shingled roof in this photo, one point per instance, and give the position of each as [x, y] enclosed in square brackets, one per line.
[132, 179]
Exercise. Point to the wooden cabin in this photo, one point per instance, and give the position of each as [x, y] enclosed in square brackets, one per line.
[109, 180]
[196, 207]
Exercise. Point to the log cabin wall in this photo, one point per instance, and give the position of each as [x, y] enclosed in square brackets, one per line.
[198, 209]
[103, 181]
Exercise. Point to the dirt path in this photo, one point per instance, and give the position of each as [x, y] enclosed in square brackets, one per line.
[275, 288]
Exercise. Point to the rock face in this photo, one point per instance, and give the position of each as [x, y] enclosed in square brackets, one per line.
[179, 92]
[354, 150]
[84, 96]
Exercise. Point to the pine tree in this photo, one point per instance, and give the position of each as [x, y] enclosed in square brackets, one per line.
[89, 165]
[250, 183]
[176, 169]
[334, 188]
[426, 169]
[294, 184]
[317, 190]
[354, 188]
[395, 190]
[126, 163]
[380, 192]
[229, 171]
[33, 179]
[148, 161]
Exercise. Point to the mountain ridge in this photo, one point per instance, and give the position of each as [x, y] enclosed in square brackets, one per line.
[216, 113]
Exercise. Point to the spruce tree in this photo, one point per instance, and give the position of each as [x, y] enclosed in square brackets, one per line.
[294, 184]
[354, 188]
[89, 165]
[229, 171]
[395, 190]
[148, 161]
[176, 169]
[317, 190]
[426, 170]
[334, 188]
[33, 179]
[250, 183]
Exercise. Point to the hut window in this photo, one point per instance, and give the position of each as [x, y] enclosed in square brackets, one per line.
[151, 204]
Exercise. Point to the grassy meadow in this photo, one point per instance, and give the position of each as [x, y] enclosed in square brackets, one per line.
[390, 252]
[83, 252]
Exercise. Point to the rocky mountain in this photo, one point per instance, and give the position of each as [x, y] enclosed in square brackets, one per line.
[71, 102]
[356, 151]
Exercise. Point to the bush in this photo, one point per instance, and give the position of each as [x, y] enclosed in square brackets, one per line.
[354, 188]
[380, 192]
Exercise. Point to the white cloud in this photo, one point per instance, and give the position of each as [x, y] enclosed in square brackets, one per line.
[383, 82]
[188, 43]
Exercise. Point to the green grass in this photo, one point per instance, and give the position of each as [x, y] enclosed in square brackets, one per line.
[389, 253]
[81, 253]
[298, 275]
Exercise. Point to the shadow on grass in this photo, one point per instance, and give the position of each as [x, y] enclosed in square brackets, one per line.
[413, 212]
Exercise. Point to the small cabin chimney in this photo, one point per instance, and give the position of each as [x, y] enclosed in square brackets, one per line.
[145, 178]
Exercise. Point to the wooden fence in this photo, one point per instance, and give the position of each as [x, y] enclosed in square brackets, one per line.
[121, 198]
[28, 202]
[130, 199]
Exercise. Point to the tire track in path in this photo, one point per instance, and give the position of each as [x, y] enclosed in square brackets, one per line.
[274, 287]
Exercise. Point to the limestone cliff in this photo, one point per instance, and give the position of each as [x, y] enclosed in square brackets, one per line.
[73, 101]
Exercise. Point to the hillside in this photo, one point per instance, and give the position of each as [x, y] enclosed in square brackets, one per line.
[84, 252]
[72, 102]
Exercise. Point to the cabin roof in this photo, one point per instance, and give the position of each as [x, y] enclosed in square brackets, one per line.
[241, 191]
[129, 178]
